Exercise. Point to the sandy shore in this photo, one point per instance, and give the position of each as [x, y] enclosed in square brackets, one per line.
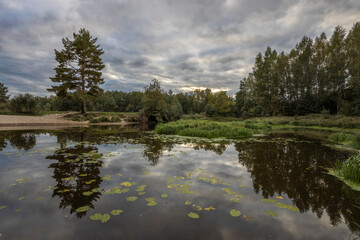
[8, 122]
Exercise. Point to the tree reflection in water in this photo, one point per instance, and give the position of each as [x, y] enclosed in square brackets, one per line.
[297, 170]
[76, 170]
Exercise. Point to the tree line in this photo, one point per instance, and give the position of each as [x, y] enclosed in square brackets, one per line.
[319, 75]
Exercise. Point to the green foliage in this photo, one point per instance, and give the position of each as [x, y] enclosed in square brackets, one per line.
[349, 171]
[3, 93]
[79, 68]
[205, 129]
[24, 103]
[220, 102]
[153, 99]
[341, 137]
[311, 77]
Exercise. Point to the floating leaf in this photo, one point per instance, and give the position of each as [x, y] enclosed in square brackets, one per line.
[266, 200]
[21, 180]
[141, 193]
[193, 215]
[87, 193]
[69, 178]
[235, 213]
[82, 175]
[197, 207]
[283, 205]
[119, 174]
[242, 186]
[126, 184]
[131, 199]
[18, 210]
[209, 208]
[271, 213]
[228, 191]
[149, 199]
[146, 173]
[187, 203]
[279, 197]
[64, 190]
[21, 198]
[82, 209]
[2, 207]
[116, 212]
[107, 177]
[103, 218]
[96, 190]
[170, 180]
[164, 195]
[235, 199]
[90, 182]
[39, 198]
[152, 203]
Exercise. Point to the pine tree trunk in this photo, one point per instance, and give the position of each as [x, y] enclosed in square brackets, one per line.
[83, 107]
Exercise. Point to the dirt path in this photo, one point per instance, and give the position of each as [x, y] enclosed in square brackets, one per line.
[55, 120]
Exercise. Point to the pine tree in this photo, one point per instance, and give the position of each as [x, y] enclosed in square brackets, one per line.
[79, 68]
[3, 93]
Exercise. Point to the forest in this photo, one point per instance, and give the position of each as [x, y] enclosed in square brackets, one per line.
[320, 75]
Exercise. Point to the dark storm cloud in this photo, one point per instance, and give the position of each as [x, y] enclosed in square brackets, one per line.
[185, 44]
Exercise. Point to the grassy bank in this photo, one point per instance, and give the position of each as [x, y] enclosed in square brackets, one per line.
[104, 117]
[211, 129]
[348, 172]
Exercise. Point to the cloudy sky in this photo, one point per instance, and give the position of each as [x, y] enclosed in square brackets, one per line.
[186, 44]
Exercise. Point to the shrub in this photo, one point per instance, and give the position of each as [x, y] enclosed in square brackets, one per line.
[24, 103]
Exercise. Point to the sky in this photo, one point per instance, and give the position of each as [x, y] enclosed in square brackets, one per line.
[186, 44]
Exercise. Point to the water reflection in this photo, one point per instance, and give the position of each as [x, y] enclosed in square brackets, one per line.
[297, 169]
[278, 165]
[77, 173]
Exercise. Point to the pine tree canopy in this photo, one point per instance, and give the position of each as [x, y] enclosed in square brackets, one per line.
[79, 68]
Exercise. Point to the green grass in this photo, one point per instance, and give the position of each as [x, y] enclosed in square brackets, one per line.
[211, 129]
[313, 120]
[349, 171]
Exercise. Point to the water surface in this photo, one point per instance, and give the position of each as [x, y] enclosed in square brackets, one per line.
[48, 179]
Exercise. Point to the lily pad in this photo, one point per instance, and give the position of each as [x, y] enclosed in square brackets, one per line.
[126, 184]
[116, 212]
[96, 190]
[209, 208]
[291, 208]
[107, 177]
[103, 218]
[2, 207]
[82, 209]
[141, 193]
[87, 193]
[235, 199]
[164, 195]
[152, 203]
[39, 198]
[18, 210]
[197, 207]
[266, 200]
[82, 175]
[131, 199]
[235, 213]
[150, 199]
[21, 198]
[193, 215]
[271, 213]
[187, 203]
[146, 173]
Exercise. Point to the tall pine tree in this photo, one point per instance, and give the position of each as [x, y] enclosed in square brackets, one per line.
[79, 68]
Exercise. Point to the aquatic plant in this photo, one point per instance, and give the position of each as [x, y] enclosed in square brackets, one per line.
[349, 171]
